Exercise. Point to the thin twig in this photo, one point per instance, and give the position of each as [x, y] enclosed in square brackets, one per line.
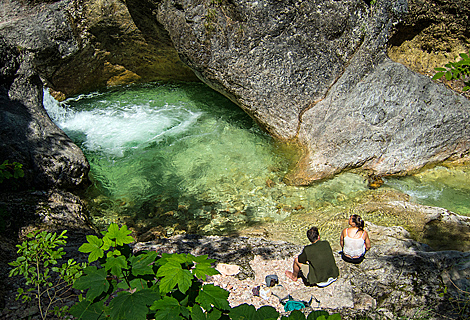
[458, 287]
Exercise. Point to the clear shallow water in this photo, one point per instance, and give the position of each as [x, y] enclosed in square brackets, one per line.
[440, 187]
[167, 158]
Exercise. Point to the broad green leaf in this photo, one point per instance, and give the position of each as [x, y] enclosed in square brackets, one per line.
[296, 315]
[203, 259]
[448, 75]
[93, 247]
[173, 274]
[197, 313]
[246, 311]
[202, 270]
[94, 280]
[215, 314]
[335, 316]
[132, 306]
[438, 75]
[119, 235]
[267, 312]
[87, 310]
[180, 258]
[463, 56]
[107, 244]
[116, 264]
[141, 264]
[168, 308]
[168, 314]
[440, 69]
[211, 295]
[140, 284]
[242, 312]
[165, 303]
[317, 313]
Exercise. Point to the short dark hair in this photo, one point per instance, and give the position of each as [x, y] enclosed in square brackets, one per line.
[313, 234]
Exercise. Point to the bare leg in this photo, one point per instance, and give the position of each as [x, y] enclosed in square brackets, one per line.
[294, 275]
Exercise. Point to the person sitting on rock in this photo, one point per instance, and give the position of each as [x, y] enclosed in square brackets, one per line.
[316, 264]
[354, 240]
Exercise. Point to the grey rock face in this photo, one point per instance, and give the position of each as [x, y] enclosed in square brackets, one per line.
[392, 121]
[273, 58]
[316, 72]
[34, 40]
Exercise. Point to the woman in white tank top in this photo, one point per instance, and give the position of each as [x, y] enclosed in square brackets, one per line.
[354, 240]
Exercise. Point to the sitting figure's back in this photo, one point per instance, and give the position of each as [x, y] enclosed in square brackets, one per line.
[316, 262]
[354, 240]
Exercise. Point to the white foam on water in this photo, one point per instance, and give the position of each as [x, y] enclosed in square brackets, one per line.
[114, 129]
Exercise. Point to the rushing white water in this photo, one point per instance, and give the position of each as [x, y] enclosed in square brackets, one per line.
[113, 128]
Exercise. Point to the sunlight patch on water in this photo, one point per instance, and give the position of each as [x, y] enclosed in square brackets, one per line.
[440, 186]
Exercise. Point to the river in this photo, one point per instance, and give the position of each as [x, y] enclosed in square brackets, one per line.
[169, 158]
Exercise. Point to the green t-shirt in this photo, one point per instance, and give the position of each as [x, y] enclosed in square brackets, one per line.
[322, 264]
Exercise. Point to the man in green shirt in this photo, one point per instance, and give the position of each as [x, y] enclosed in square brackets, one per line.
[316, 262]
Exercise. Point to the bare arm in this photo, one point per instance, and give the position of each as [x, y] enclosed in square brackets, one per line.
[366, 240]
[341, 238]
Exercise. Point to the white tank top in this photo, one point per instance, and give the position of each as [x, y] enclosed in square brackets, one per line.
[354, 247]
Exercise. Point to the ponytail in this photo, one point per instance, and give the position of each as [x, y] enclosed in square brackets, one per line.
[357, 220]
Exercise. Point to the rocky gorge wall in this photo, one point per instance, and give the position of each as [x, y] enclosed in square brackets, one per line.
[312, 73]
[33, 39]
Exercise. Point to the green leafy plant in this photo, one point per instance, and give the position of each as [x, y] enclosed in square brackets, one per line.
[47, 283]
[128, 286]
[9, 170]
[456, 70]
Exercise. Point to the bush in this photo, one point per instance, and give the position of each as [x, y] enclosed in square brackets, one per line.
[47, 283]
[456, 70]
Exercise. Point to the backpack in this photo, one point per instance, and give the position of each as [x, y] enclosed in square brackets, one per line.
[291, 304]
[271, 280]
[294, 305]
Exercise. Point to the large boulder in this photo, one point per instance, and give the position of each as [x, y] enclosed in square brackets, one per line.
[317, 73]
[31, 38]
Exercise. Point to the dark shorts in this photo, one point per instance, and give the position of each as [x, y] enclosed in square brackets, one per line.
[353, 260]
